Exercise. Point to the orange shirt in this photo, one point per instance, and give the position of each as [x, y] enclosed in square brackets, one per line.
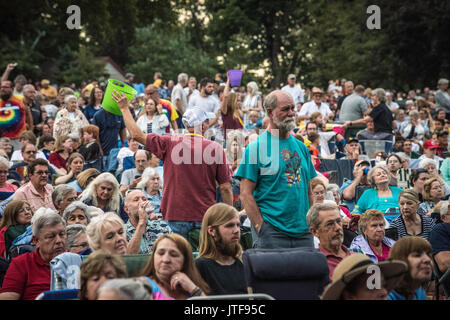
[50, 92]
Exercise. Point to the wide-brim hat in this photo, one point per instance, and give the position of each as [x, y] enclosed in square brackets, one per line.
[316, 90]
[195, 116]
[356, 264]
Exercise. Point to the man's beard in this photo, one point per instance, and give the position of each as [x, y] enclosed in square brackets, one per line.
[229, 249]
[284, 126]
[6, 96]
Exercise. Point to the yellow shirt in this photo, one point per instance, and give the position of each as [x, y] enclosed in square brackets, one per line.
[50, 92]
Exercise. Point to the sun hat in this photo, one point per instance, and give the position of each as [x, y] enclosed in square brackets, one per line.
[316, 90]
[356, 264]
[195, 116]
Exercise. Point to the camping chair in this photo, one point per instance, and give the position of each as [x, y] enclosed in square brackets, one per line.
[66, 294]
[287, 274]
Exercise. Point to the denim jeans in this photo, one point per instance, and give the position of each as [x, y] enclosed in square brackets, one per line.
[271, 238]
[183, 227]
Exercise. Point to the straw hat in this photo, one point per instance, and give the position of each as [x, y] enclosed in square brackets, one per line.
[356, 264]
[316, 90]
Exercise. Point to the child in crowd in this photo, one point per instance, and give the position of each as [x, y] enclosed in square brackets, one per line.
[90, 149]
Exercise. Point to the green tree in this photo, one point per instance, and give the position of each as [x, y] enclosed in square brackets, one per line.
[169, 53]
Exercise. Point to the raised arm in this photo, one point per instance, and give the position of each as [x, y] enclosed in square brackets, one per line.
[226, 92]
[8, 70]
[131, 125]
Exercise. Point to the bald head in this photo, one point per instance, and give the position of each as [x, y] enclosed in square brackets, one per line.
[133, 200]
[278, 99]
[152, 91]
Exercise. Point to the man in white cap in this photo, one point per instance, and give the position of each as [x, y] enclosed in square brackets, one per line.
[295, 91]
[275, 172]
[193, 167]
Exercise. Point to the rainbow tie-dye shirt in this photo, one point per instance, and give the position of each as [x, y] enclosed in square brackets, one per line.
[12, 118]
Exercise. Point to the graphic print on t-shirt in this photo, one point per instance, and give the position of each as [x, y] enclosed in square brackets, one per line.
[293, 165]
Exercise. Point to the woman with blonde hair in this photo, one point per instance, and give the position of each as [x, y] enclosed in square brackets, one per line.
[220, 255]
[84, 178]
[103, 192]
[172, 269]
[231, 114]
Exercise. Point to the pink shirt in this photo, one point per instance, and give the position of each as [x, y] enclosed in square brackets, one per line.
[384, 253]
[332, 259]
[193, 167]
[29, 193]
[8, 188]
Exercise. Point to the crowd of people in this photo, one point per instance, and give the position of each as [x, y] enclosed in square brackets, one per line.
[360, 174]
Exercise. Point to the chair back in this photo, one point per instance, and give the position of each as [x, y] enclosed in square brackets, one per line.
[287, 274]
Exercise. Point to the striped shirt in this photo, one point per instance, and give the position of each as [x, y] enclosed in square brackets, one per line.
[427, 224]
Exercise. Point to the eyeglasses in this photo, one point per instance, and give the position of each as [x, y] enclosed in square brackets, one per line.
[43, 173]
[31, 152]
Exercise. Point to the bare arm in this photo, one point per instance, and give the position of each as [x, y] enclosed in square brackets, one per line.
[350, 191]
[131, 125]
[227, 193]
[251, 208]
[64, 179]
[8, 70]
[9, 296]
[135, 242]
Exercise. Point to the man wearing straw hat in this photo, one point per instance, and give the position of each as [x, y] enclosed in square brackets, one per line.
[316, 105]
[359, 278]
[193, 166]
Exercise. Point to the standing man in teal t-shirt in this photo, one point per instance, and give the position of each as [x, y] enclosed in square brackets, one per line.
[275, 172]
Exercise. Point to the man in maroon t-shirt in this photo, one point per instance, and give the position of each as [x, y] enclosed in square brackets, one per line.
[29, 274]
[193, 167]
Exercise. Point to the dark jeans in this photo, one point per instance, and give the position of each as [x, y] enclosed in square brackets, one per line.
[183, 227]
[271, 238]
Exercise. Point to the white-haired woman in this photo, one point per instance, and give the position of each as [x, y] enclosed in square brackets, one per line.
[69, 120]
[77, 213]
[151, 185]
[430, 166]
[381, 196]
[381, 116]
[252, 101]
[107, 232]
[103, 192]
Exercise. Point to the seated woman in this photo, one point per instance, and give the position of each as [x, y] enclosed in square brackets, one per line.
[63, 150]
[372, 240]
[83, 179]
[77, 213]
[418, 179]
[416, 252]
[74, 167]
[410, 223]
[103, 192]
[433, 192]
[77, 241]
[4, 167]
[15, 220]
[96, 269]
[107, 232]
[430, 166]
[151, 185]
[381, 196]
[172, 269]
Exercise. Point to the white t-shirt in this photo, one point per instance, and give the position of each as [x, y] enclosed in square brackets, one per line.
[296, 92]
[17, 156]
[179, 93]
[123, 153]
[208, 104]
[310, 107]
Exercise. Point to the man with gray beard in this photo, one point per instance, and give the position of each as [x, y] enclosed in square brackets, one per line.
[275, 171]
[325, 223]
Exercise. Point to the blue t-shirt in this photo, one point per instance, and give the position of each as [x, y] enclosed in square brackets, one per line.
[109, 128]
[418, 295]
[370, 200]
[281, 169]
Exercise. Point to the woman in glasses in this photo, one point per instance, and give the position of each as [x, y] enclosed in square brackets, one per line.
[433, 192]
[15, 220]
[103, 192]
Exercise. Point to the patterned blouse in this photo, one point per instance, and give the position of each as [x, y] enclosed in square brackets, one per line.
[64, 125]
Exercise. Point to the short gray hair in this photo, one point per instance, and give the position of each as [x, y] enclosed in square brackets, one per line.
[380, 93]
[183, 77]
[128, 289]
[46, 219]
[425, 162]
[60, 192]
[5, 162]
[444, 208]
[73, 231]
[148, 172]
[74, 206]
[333, 188]
[70, 96]
[442, 81]
[312, 217]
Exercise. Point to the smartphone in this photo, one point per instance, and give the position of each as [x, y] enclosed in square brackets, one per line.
[138, 175]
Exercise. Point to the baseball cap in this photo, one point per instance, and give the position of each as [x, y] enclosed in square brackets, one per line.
[195, 116]
[430, 144]
[292, 76]
[350, 140]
